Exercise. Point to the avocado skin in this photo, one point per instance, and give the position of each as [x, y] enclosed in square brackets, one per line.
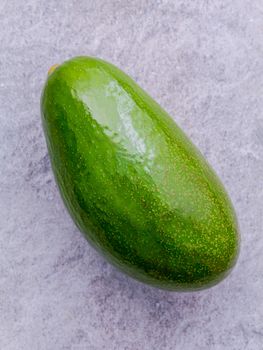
[133, 182]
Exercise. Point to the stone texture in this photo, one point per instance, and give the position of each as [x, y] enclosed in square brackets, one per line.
[202, 61]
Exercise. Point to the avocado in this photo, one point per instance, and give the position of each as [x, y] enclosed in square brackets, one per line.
[133, 182]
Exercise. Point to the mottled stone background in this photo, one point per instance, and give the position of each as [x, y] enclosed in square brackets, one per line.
[203, 62]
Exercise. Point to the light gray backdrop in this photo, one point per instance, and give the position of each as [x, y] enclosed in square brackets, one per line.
[203, 62]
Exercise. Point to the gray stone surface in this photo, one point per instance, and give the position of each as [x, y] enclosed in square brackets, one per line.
[203, 62]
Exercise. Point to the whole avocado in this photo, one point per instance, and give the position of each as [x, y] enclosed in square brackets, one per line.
[133, 182]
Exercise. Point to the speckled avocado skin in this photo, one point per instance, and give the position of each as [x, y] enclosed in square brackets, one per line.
[132, 181]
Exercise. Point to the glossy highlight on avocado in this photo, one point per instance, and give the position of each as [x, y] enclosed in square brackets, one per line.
[134, 184]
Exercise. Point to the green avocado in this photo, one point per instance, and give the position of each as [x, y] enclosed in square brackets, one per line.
[134, 184]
